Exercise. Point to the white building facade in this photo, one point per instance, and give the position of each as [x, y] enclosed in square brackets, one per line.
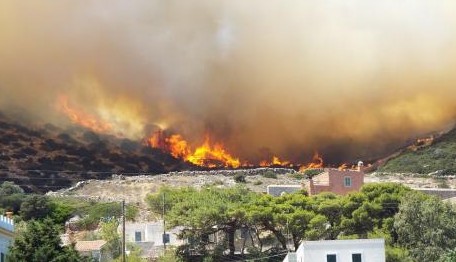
[351, 250]
[6, 236]
[149, 237]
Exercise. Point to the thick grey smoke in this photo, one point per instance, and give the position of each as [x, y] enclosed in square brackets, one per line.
[348, 78]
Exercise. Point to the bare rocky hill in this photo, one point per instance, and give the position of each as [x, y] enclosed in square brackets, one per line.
[135, 189]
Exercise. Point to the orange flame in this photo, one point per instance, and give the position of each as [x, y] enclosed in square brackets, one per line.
[343, 167]
[82, 118]
[421, 143]
[208, 155]
[275, 162]
[177, 146]
[317, 162]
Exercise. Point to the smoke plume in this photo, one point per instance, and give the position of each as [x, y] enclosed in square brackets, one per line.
[347, 78]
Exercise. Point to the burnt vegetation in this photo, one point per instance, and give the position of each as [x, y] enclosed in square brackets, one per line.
[44, 158]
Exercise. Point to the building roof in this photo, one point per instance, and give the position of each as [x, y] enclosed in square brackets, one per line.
[344, 241]
[84, 246]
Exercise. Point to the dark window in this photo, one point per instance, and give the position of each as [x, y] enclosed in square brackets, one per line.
[356, 258]
[348, 181]
[331, 258]
[138, 236]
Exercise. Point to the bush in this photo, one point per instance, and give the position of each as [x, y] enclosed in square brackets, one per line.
[297, 176]
[309, 173]
[35, 207]
[269, 174]
[239, 178]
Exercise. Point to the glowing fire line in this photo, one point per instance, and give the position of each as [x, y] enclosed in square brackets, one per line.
[82, 118]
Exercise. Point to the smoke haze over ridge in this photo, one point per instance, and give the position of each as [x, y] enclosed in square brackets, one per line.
[347, 78]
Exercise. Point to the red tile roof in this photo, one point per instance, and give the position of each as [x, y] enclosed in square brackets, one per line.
[82, 246]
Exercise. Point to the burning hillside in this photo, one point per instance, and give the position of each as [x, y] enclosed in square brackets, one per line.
[207, 154]
[43, 158]
[235, 83]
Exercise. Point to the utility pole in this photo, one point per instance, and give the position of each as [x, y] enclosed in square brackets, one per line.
[164, 224]
[123, 231]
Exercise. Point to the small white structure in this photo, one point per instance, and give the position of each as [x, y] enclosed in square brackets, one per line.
[351, 250]
[6, 236]
[149, 237]
[150, 232]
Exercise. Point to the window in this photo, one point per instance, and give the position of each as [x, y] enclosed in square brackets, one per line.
[331, 258]
[356, 257]
[138, 236]
[348, 181]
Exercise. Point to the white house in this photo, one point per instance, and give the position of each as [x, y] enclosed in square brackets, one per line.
[351, 250]
[6, 236]
[150, 232]
[149, 237]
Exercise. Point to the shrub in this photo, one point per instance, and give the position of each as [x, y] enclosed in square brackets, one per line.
[309, 173]
[239, 178]
[297, 176]
[269, 174]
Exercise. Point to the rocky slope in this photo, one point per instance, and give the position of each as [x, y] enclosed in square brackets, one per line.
[43, 158]
[436, 156]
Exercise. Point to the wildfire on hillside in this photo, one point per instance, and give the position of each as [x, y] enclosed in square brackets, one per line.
[82, 118]
[275, 162]
[208, 154]
[422, 142]
[215, 155]
[317, 162]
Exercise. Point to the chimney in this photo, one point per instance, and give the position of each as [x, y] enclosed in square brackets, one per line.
[9, 214]
[360, 166]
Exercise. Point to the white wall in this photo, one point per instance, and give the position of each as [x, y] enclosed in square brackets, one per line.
[372, 250]
[6, 229]
[150, 232]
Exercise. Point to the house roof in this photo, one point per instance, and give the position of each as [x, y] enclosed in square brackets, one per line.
[82, 246]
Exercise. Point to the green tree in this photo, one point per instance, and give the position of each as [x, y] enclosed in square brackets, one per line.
[11, 196]
[60, 211]
[40, 241]
[269, 217]
[426, 226]
[9, 188]
[450, 256]
[35, 207]
[396, 254]
[204, 212]
[108, 231]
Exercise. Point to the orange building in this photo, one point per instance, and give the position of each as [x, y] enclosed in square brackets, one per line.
[336, 181]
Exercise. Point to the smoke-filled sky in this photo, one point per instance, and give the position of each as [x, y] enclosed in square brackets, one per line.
[347, 78]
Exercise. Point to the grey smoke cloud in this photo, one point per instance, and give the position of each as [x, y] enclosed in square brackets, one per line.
[348, 78]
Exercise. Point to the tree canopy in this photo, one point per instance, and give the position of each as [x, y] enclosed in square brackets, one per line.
[277, 223]
[39, 242]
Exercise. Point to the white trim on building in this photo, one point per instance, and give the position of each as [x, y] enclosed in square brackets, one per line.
[350, 250]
